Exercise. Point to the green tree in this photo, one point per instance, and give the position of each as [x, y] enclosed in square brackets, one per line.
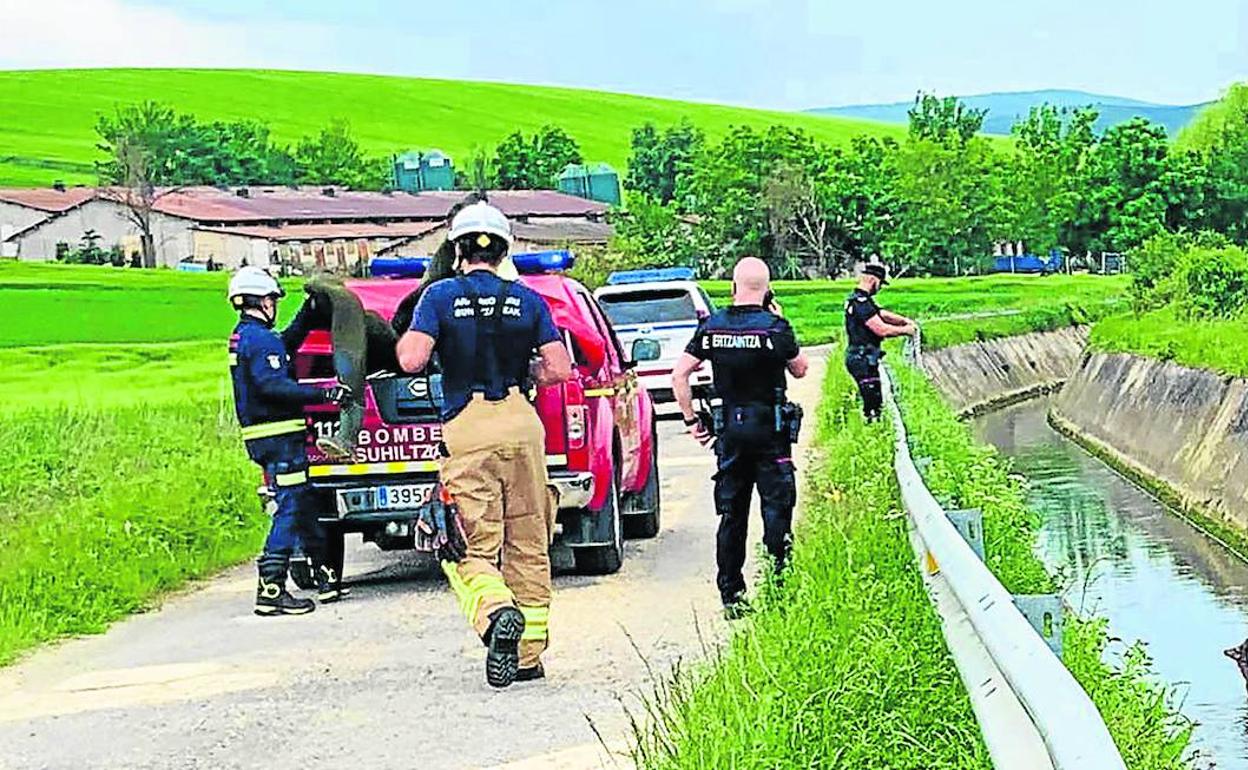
[1217, 143]
[522, 163]
[168, 141]
[952, 206]
[1046, 174]
[661, 160]
[944, 120]
[334, 157]
[1127, 198]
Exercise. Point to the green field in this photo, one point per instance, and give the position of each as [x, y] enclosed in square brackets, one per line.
[134, 363]
[1005, 304]
[1214, 344]
[47, 117]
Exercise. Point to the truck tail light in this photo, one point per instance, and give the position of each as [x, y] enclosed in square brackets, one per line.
[577, 415]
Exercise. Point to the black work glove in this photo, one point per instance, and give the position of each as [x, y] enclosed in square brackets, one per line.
[339, 394]
[439, 529]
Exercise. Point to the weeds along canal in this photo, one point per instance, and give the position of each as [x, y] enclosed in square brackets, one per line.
[1119, 553]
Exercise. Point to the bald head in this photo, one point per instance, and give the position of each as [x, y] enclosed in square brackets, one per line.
[750, 280]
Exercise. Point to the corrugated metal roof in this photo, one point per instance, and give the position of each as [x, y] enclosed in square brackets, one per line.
[563, 231]
[330, 232]
[266, 204]
[48, 199]
[291, 206]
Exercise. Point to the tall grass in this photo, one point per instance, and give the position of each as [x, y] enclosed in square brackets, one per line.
[102, 510]
[845, 666]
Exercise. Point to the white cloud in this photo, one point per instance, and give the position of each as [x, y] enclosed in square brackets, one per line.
[116, 33]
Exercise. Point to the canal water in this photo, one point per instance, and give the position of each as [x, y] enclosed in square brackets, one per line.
[1121, 554]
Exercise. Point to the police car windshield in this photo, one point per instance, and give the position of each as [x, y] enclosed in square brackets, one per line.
[649, 306]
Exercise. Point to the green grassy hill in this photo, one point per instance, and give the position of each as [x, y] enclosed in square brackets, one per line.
[47, 117]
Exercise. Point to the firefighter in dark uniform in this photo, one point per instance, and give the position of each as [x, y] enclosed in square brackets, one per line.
[866, 326]
[493, 337]
[269, 403]
[750, 347]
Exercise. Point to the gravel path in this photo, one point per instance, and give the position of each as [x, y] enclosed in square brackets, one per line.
[391, 678]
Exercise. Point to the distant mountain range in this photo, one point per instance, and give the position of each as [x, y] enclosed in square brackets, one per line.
[1006, 108]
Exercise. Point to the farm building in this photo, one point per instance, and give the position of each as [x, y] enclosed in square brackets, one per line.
[22, 209]
[302, 228]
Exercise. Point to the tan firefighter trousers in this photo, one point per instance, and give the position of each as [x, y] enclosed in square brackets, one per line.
[496, 472]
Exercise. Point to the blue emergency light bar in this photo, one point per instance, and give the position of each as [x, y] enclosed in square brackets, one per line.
[653, 275]
[399, 267]
[538, 262]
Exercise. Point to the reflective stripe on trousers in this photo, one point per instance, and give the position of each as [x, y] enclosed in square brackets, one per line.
[269, 429]
[476, 590]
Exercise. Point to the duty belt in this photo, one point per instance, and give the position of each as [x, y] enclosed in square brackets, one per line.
[270, 429]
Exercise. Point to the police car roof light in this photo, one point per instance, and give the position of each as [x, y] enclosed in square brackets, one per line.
[653, 275]
[537, 262]
[399, 267]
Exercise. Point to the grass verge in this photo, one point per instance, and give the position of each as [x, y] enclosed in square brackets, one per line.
[101, 511]
[1214, 344]
[845, 665]
[1142, 715]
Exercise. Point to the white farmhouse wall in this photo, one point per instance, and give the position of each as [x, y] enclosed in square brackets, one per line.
[172, 235]
[14, 217]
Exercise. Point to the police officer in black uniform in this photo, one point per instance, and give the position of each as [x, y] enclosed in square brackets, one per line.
[866, 326]
[750, 347]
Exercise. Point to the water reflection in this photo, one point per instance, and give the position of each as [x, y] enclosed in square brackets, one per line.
[1121, 554]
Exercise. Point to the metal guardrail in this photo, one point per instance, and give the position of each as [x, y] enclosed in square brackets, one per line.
[1067, 721]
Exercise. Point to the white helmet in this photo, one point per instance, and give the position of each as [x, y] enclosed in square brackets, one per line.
[253, 281]
[480, 218]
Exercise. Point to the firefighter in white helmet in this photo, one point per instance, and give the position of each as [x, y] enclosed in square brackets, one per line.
[486, 330]
[269, 402]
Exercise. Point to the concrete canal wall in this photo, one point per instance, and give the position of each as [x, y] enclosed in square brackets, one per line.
[1182, 432]
[982, 376]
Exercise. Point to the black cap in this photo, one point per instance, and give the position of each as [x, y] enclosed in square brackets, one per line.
[877, 270]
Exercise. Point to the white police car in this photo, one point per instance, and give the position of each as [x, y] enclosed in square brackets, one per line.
[664, 306]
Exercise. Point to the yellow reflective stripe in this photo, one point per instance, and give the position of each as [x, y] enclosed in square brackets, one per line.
[364, 469]
[291, 479]
[556, 459]
[233, 359]
[599, 392]
[473, 592]
[536, 622]
[269, 429]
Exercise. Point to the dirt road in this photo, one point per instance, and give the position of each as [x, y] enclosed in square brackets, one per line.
[391, 678]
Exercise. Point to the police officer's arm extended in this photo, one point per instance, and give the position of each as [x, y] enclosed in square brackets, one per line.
[882, 327]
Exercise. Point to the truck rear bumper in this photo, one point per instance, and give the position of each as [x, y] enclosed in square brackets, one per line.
[575, 488]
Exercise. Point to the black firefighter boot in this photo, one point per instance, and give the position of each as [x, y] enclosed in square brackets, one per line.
[329, 586]
[272, 598]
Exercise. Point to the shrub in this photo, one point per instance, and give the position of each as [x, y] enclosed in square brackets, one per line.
[1212, 282]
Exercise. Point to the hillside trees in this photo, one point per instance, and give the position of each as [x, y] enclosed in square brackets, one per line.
[1217, 143]
[662, 159]
[534, 163]
[178, 150]
[1046, 177]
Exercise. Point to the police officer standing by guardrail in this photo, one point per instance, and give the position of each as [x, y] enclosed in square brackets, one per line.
[866, 326]
[750, 347]
[485, 331]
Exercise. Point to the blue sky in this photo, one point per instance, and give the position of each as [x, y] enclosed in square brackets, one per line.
[786, 54]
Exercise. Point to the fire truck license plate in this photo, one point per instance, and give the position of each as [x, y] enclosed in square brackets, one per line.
[387, 497]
